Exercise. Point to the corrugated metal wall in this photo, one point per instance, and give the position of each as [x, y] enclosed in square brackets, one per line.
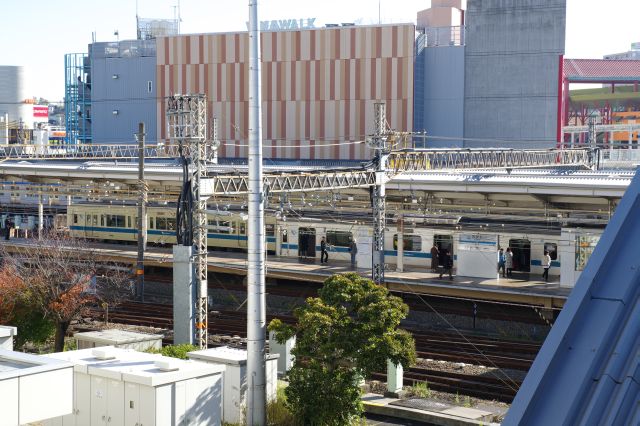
[318, 86]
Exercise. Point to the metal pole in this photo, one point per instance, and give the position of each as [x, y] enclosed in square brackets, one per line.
[378, 142]
[256, 303]
[142, 214]
[400, 257]
[40, 216]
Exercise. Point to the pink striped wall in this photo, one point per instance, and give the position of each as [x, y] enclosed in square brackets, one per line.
[318, 86]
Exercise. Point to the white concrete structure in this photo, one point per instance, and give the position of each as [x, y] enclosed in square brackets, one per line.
[119, 339]
[116, 386]
[26, 391]
[235, 378]
[478, 255]
[6, 337]
[285, 359]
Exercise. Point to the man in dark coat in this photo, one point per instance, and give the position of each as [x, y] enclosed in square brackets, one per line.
[447, 264]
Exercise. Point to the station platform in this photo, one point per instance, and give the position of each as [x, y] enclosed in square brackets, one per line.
[521, 288]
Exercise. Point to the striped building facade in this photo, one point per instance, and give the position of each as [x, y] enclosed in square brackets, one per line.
[318, 86]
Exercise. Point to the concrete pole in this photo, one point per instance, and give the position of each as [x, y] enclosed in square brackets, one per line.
[142, 215]
[40, 217]
[256, 302]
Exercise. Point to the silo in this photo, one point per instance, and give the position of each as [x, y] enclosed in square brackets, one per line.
[13, 94]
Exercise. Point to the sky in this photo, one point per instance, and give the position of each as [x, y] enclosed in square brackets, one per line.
[37, 33]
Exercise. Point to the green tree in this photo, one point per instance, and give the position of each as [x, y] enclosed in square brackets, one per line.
[342, 336]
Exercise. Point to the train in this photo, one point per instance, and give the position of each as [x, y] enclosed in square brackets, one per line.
[300, 237]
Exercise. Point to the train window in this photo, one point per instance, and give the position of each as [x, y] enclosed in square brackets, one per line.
[339, 238]
[285, 238]
[128, 221]
[152, 223]
[411, 242]
[165, 223]
[115, 221]
[101, 220]
[270, 229]
[552, 248]
[75, 218]
[243, 228]
[584, 247]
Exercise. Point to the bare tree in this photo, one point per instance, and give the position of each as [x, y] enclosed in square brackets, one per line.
[66, 276]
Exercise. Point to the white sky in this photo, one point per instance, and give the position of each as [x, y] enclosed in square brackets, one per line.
[37, 33]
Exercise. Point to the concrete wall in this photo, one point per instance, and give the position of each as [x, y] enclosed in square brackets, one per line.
[128, 94]
[443, 96]
[511, 71]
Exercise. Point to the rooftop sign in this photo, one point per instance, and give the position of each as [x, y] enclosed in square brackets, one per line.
[287, 24]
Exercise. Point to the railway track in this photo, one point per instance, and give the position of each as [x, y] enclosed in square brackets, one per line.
[452, 347]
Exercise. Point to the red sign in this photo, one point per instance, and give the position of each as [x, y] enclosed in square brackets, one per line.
[40, 111]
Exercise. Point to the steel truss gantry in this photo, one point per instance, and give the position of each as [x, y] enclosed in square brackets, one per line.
[187, 125]
[455, 159]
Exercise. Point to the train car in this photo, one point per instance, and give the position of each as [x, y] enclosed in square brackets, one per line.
[225, 230]
[301, 238]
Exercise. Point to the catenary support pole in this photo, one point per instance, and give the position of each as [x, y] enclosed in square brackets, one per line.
[379, 143]
[142, 214]
[256, 303]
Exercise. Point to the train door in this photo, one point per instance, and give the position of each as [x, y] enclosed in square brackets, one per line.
[443, 242]
[242, 234]
[91, 225]
[307, 242]
[521, 249]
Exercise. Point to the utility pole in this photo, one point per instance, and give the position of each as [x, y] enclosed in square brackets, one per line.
[379, 143]
[256, 301]
[142, 214]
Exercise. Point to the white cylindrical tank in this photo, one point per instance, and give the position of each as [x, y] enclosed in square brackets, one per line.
[13, 93]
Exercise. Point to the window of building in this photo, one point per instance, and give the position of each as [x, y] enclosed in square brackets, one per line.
[339, 238]
[411, 242]
[552, 248]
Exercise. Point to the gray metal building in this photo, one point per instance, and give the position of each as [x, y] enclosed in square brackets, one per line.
[439, 93]
[123, 90]
[512, 57]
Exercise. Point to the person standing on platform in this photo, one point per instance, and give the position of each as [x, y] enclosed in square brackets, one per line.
[447, 264]
[324, 255]
[501, 263]
[353, 250]
[8, 224]
[508, 262]
[435, 257]
[546, 264]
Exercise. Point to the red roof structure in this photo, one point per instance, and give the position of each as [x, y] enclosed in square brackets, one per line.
[601, 70]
